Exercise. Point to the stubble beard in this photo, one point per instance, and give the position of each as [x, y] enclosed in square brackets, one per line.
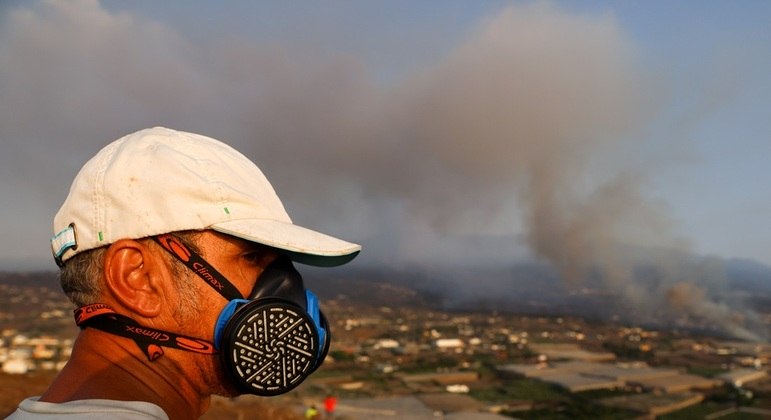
[216, 381]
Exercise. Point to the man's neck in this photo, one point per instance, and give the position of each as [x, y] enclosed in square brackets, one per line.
[103, 366]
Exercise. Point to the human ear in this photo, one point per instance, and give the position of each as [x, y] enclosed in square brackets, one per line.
[133, 276]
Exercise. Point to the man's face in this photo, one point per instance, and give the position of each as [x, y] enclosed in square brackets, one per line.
[241, 262]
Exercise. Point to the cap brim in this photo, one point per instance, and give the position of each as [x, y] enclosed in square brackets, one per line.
[301, 244]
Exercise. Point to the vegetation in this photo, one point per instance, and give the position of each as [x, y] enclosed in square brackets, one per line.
[698, 411]
[577, 411]
[520, 389]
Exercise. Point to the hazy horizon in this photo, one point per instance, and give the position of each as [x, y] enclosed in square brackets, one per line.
[555, 130]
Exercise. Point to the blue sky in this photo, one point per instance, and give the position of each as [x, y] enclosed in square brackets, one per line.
[357, 94]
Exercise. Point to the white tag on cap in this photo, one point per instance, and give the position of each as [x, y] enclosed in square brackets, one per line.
[63, 241]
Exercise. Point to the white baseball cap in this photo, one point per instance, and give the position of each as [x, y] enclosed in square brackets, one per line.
[160, 180]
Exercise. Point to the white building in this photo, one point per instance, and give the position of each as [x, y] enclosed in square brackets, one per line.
[16, 366]
[449, 343]
[386, 343]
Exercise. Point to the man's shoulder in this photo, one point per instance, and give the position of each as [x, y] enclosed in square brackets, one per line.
[31, 408]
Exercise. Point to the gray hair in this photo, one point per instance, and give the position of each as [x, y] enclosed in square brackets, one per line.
[80, 277]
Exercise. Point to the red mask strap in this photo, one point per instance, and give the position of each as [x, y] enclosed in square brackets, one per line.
[149, 340]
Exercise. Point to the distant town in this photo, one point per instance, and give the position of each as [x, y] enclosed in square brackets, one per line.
[413, 361]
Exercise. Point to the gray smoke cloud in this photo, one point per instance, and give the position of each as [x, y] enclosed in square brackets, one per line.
[530, 124]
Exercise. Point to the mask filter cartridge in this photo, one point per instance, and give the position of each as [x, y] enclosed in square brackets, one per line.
[271, 342]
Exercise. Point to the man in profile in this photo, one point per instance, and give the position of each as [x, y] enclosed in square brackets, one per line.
[178, 255]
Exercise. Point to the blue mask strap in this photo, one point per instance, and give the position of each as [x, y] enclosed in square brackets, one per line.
[313, 311]
[222, 320]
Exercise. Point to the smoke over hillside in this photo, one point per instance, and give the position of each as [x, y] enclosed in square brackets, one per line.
[529, 125]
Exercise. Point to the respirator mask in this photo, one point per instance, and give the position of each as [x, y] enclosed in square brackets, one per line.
[268, 342]
[272, 341]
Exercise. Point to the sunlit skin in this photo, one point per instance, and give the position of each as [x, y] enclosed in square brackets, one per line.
[137, 282]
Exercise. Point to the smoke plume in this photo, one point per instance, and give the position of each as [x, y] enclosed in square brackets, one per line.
[530, 125]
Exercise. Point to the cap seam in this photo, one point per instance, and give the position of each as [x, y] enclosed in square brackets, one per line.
[212, 179]
[100, 207]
